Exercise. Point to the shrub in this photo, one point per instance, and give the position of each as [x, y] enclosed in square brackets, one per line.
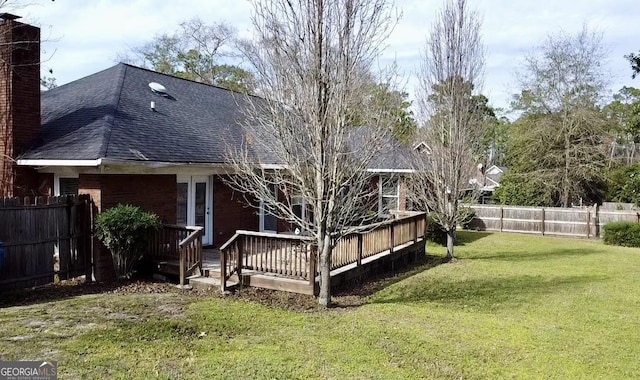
[125, 230]
[626, 234]
[465, 216]
[624, 184]
[435, 233]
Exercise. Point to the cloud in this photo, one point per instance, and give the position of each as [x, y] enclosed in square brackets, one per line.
[87, 36]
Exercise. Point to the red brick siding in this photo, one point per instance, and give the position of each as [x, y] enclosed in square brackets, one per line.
[19, 103]
[231, 212]
[155, 193]
[90, 184]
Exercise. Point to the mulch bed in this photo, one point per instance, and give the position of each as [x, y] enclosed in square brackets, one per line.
[347, 297]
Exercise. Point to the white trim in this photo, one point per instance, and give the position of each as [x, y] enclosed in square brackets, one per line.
[272, 166]
[97, 162]
[56, 181]
[191, 212]
[382, 195]
[391, 170]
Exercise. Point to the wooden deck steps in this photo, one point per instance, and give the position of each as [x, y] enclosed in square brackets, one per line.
[206, 283]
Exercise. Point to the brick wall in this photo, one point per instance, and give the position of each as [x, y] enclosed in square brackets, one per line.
[231, 213]
[155, 193]
[19, 103]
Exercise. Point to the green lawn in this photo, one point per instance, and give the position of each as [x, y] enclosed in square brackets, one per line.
[512, 306]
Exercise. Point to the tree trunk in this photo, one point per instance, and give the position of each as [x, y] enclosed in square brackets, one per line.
[324, 298]
[451, 236]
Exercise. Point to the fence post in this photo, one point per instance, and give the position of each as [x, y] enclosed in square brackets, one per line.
[588, 225]
[542, 226]
[501, 217]
[596, 221]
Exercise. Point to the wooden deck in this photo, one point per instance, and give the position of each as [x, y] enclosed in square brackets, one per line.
[288, 262]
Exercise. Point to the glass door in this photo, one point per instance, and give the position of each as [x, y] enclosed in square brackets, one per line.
[202, 209]
[194, 203]
[268, 221]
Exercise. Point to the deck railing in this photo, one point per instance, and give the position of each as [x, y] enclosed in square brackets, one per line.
[389, 235]
[178, 243]
[293, 256]
[278, 254]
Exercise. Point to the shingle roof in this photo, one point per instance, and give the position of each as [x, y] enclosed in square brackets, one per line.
[108, 115]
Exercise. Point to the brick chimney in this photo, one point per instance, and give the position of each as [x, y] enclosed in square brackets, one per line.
[19, 102]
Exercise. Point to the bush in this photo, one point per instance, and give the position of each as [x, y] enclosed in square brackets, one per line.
[435, 233]
[465, 216]
[624, 185]
[125, 230]
[626, 234]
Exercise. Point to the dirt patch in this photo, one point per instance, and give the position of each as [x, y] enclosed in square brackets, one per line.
[351, 295]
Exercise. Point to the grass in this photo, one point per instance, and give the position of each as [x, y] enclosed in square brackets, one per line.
[511, 306]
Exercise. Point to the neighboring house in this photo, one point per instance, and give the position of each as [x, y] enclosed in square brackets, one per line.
[131, 135]
[492, 177]
[490, 180]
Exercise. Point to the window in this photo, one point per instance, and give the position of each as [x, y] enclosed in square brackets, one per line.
[68, 186]
[298, 206]
[183, 195]
[388, 195]
[301, 209]
[65, 185]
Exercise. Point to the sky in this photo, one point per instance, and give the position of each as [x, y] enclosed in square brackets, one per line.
[82, 37]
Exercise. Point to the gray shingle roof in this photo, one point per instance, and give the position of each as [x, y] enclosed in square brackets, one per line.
[108, 115]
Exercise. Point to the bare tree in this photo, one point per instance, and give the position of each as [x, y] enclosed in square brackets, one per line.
[308, 55]
[198, 51]
[451, 71]
[559, 141]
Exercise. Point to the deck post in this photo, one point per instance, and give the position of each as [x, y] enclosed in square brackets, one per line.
[391, 237]
[312, 266]
[199, 252]
[240, 248]
[223, 270]
[183, 269]
[359, 259]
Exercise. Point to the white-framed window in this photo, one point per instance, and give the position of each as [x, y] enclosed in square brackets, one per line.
[299, 207]
[182, 203]
[65, 184]
[389, 191]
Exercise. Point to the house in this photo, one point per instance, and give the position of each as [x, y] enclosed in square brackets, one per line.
[132, 135]
[492, 177]
[490, 180]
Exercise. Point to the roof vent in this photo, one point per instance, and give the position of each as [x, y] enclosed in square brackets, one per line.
[158, 88]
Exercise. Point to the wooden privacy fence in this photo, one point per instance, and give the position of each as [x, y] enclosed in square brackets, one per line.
[294, 256]
[579, 222]
[44, 237]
